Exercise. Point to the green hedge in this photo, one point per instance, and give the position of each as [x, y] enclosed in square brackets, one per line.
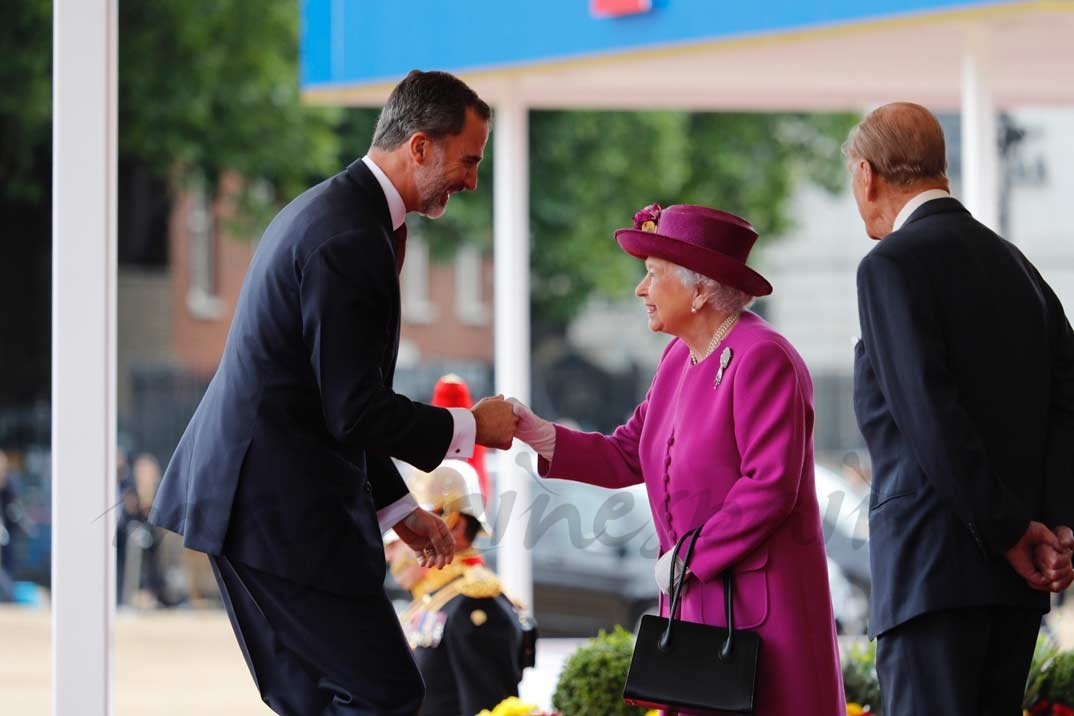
[591, 683]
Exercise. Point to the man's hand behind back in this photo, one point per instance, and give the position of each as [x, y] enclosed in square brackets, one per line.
[1055, 564]
[496, 422]
[1036, 557]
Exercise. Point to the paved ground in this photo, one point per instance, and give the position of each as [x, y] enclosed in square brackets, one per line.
[176, 663]
[186, 663]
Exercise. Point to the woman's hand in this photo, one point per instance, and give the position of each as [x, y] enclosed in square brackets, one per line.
[663, 571]
[538, 433]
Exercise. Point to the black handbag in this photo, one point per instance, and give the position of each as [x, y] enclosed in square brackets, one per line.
[680, 665]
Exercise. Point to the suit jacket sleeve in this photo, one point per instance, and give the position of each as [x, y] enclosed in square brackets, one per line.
[1058, 499]
[773, 416]
[905, 346]
[346, 288]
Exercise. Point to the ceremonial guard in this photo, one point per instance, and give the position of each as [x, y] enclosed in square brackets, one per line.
[470, 640]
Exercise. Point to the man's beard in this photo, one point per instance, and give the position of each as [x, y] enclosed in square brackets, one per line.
[434, 202]
[435, 194]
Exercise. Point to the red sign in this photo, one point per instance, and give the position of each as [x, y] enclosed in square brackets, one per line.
[618, 8]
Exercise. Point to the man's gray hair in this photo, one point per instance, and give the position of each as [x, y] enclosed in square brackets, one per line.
[724, 298]
[903, 142]
[431, 102]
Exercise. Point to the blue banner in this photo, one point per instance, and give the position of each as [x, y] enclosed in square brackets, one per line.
[365, 41]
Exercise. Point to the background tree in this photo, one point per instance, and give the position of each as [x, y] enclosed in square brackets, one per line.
[590, 171]
[25, 177]
[208, 86]
[205, 86]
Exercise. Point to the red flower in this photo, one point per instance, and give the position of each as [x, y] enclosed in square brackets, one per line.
[648, 218]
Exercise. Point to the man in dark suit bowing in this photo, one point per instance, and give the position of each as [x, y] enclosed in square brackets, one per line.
[964, 391]
[284, 475]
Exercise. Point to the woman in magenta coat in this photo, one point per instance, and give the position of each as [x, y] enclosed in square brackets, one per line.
[723, 441]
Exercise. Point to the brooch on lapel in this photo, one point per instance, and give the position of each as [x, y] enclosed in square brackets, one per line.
[725, 360]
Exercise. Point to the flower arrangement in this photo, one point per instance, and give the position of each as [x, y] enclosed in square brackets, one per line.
[860, 681]
[648, 218]
[1050, 686]
[513, 706]
[1044, 708]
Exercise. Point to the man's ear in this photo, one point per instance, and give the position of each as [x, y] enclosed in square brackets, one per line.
[870, 180]
[419, 145]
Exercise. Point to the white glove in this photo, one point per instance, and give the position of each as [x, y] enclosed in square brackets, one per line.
[538, 433]
[663, 571]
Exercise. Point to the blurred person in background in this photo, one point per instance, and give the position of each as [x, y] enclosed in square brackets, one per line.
[7, 536]
[724, 444]
[142, 580]
[964, 392]
[465, 632]
[284, 475]
[451, 391]
[127, 503]
[15, 523]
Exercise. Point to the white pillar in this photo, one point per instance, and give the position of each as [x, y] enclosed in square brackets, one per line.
[511, 259]
[83, 355]
[980, 145]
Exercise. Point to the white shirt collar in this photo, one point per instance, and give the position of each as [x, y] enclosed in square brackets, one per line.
[395, 199]
[915, 203]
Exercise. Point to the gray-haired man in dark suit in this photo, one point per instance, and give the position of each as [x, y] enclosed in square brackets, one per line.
[964, 391]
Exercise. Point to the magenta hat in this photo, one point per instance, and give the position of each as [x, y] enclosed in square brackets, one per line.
[713, 243]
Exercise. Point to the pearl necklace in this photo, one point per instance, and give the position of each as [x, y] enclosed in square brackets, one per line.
[718, 336]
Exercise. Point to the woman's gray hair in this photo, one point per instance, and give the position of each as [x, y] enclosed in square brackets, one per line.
[724, 298]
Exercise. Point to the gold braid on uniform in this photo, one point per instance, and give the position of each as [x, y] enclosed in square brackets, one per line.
[480, 583]
[434, 579]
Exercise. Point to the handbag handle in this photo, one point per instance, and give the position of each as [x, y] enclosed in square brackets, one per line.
[728, 647]
[678, 585]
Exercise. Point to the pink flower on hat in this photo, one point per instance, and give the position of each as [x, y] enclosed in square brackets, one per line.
[648, 218]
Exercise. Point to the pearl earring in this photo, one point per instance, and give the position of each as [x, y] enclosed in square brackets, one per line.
[693, 309]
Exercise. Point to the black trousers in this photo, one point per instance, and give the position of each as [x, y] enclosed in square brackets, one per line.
[958, 662]
[313, 653]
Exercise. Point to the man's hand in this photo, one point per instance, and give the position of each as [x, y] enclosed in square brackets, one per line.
[1021, 555]
[496, 422]
[428, 536]
[1066, 538]
[1054, 564]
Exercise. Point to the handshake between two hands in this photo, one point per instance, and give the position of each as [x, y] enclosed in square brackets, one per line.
[500, 421]
[1043, 557]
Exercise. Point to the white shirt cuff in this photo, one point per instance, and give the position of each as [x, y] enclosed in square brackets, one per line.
[390, 516]
[462, 443]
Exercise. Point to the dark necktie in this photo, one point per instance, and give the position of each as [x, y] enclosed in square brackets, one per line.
[400, 247]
